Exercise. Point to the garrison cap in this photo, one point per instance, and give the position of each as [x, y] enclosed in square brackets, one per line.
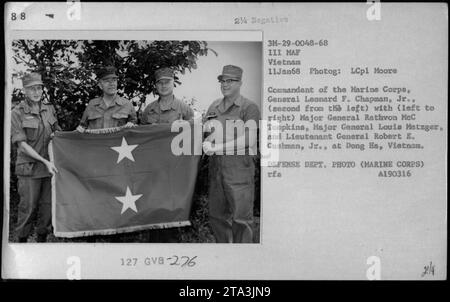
[231, 71]
[107, 72]
[164, 73]
[31, 79]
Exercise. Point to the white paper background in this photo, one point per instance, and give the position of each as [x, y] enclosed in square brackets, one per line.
[316, 224]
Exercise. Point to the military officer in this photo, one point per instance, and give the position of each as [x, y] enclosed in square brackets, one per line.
[32, 124]
[231, 187]
[167, 108]
[110, 110]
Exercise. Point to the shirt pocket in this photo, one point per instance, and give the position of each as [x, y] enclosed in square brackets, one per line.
[31, 128]
[120, 118]
[95, 120]
[152, 117]
[171, 116]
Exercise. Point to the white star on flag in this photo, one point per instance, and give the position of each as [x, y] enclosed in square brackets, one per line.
[128, 201]
[124, 150]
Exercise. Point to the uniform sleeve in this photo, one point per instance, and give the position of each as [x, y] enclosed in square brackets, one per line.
[132, 117]
[83, 121]
[252, 113]
[17, 132]
[143, 116]
[57, 126]
[205, 117]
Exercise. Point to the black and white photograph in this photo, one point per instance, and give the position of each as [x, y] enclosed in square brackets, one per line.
[107, 107]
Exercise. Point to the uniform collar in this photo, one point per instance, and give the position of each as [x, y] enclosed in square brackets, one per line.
[29, 109]
[117, 100]
[172, 104]
[221, 105]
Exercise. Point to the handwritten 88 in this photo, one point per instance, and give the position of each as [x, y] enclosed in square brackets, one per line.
[14, 16]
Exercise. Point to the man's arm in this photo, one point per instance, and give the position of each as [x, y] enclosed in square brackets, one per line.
[247, 139]
[240, 143]
[27, 149]
[83, 122]
[132, 117]
[56, 126]
[17, 132]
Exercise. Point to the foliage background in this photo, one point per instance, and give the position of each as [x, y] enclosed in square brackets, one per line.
[68, 69]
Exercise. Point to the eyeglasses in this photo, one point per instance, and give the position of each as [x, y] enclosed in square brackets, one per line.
[228, 81]
[110, 81]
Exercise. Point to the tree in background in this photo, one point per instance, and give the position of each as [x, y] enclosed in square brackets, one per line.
[68, 69]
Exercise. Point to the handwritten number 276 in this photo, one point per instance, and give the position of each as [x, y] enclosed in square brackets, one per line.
[183, 261]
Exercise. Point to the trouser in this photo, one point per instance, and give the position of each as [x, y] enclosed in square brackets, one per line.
[231, 197]
[164, 235]
[35, 194]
